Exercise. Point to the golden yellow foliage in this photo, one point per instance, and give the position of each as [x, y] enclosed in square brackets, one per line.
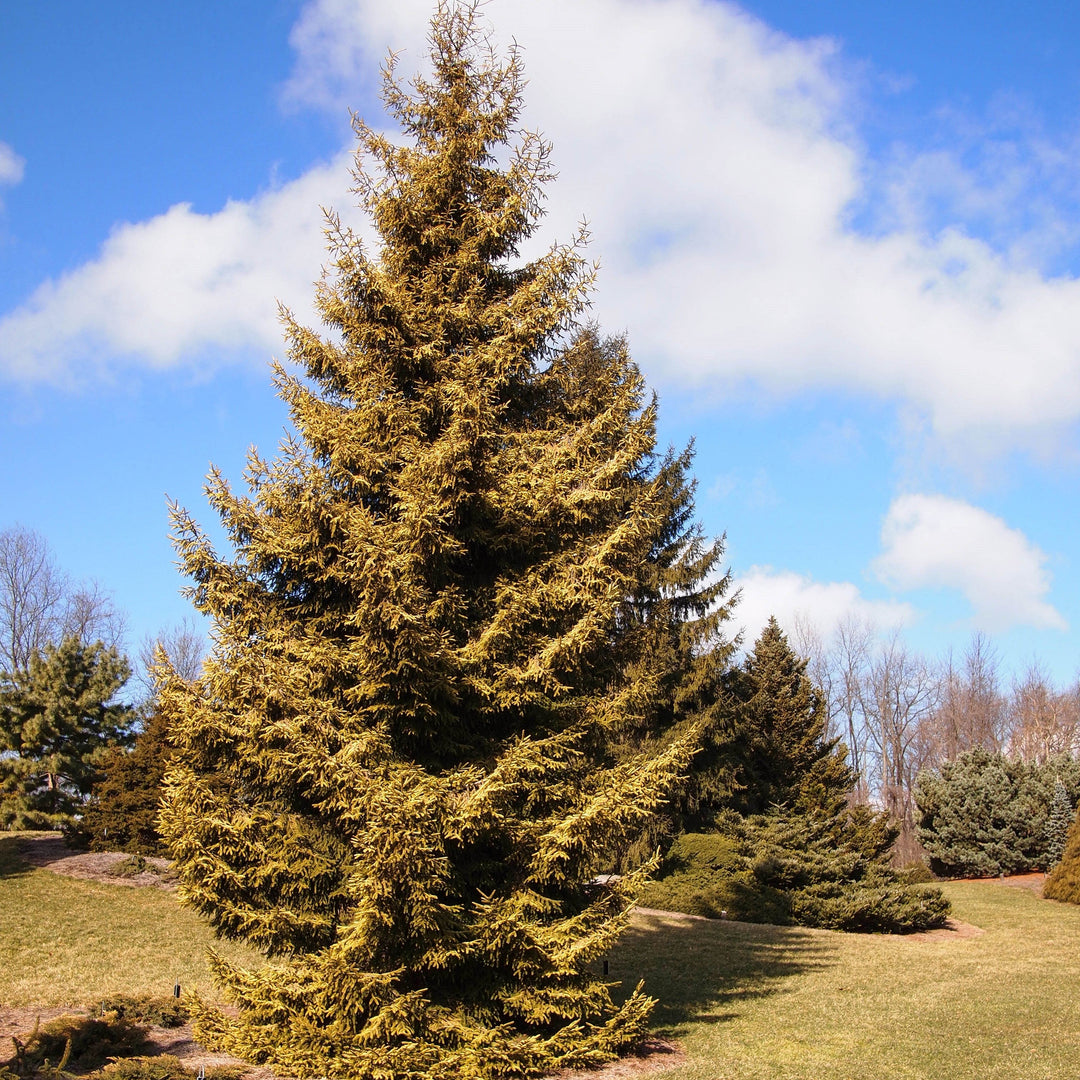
[437, 701]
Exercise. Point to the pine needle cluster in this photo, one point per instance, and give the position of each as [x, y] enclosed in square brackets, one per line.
[449, 677]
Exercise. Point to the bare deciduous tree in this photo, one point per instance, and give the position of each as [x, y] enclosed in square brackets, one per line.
[852, 654]
[901, 693]
[185, 646]
[1043, 722]
[972, 711]
[31, 594]
[40, 604]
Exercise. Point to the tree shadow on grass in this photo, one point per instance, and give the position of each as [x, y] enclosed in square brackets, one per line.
[13, 863]
[701, 969]
[22, 852]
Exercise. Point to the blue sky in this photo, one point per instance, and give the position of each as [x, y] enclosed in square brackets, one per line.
[843, 239]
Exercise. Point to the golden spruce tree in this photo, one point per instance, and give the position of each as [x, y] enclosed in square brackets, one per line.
[439, 689]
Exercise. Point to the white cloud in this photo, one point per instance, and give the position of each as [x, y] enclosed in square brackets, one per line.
[794, 599]
[11, 165]
[178, 287]
[937, 542]
[714, 160]
[342, 44]
[711, 157]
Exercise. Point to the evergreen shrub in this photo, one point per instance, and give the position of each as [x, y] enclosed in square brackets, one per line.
[916, 873]
[984, 814]
[82, 1043]
[164, 1067]
[707, 874]
[132, 866]
[167, 1012]
[1063, 882]
[796, 871]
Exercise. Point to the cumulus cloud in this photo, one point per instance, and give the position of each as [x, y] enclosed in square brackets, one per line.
[11, 165]
[799, 600]
[931, 541]
[715, 161]
[179, 288]
[713, 158]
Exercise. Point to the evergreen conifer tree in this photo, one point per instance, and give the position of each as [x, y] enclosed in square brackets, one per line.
[122, 812]
[59, 719]
[674, 628]
[782, 755]
[1056, 830]
[1063, 882]
[984, 814]
[446, 681]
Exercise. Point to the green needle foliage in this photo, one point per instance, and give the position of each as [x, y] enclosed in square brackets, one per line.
[829, 871]
[783, 756]
[58, 722]
[454, 665]
[983, 814]
[1063, 881]
[1058, 821]
[122, 812]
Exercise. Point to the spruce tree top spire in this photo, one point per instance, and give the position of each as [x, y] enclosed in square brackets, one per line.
[458, 597]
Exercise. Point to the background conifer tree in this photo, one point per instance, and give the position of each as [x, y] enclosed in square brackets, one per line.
[983, 814]
[782, 754]
[1063, 882]
[1058, 821]
[59, 718]
[122, 812]
[446, 647]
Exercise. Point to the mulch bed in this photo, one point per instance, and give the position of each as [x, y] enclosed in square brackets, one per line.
[51, 853]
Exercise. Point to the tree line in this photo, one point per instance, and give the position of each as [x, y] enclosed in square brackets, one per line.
[901, 713]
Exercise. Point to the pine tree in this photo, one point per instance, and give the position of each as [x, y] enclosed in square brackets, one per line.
[58, 721]
[782, 753]
[436, 700]
[1056, 830]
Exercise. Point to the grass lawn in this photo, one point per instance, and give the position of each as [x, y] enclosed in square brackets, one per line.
[750, 1001]
[745, 1001]
[64, 941]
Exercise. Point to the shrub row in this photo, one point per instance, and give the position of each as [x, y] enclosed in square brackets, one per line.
[983, 814]
[796, 871]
